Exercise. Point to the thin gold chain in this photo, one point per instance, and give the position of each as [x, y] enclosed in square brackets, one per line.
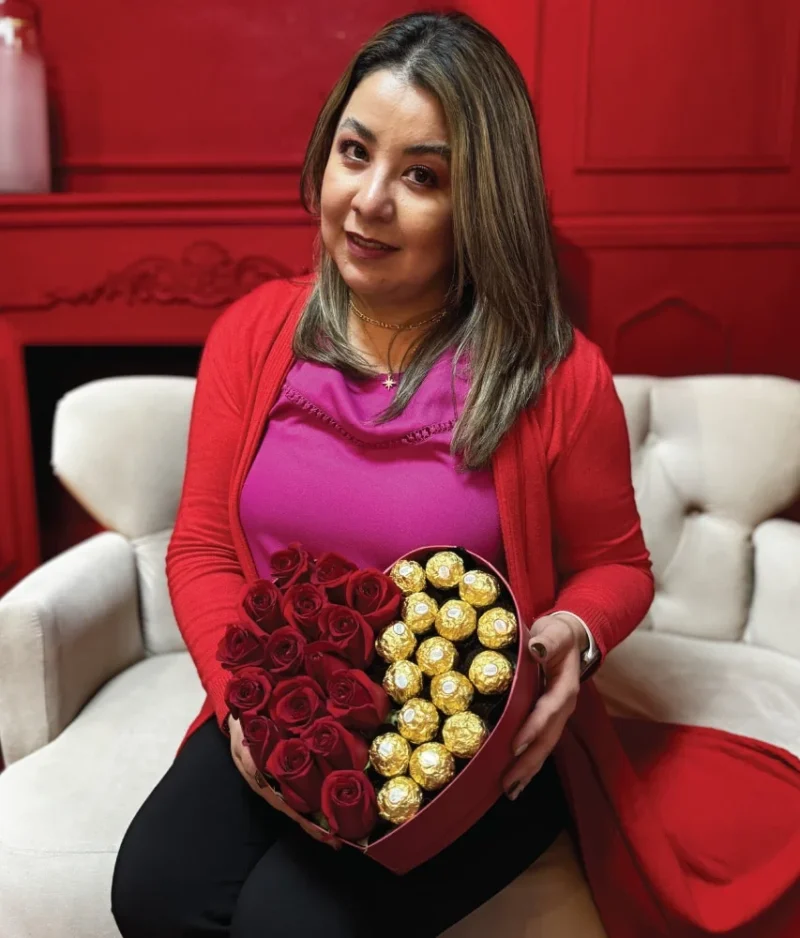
[398, 328]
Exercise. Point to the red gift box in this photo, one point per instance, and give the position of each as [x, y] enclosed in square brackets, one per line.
[479, 784]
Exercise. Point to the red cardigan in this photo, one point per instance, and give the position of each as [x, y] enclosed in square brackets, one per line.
[572, 541]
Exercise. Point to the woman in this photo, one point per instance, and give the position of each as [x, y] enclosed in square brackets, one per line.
[435, 309]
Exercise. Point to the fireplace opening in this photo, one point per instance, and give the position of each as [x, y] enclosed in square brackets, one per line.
[52, 371]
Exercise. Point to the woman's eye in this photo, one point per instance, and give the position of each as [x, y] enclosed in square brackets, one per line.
[429, 177]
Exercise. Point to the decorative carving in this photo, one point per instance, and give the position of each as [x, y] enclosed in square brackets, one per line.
[205, 276]
[671, 337]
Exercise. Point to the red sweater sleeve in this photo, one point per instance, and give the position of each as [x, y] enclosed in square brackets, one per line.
[601, 559]
[204, 576]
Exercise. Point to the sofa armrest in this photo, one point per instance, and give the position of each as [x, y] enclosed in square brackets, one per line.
[65, 629]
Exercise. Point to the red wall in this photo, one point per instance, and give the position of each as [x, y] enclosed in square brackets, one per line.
[669, 134]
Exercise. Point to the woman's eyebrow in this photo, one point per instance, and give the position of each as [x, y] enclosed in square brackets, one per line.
[417, 149]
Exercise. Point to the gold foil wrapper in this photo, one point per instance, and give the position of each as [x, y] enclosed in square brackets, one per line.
[444, 570]
[478, 588]
[395, 642]
[418, 720]
[456, 620]
[399, 799]
[432, 766]
[402, 681]
[436, 655]
[497, 628]
[408, 575]
[464, 734]
[389, 754]
[451, 692]
[419, 612]
[491, 672]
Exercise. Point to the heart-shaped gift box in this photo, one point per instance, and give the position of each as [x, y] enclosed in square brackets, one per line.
[477, 786]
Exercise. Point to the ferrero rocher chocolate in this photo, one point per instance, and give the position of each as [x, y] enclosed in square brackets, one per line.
[389, 754]
[432, 766]
[497, 628]
[418, 720]
[402, 681]
[464, 734]
[399, 799]
[436, 655]
[419, 612]
[451, 692]
[478, 588]
[444, 569]
[456, 620]
[490, 672]
[408, 575]
[395, 642]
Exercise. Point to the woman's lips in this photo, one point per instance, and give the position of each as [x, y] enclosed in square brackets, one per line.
[364, 251]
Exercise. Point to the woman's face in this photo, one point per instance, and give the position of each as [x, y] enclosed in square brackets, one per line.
[374, 188]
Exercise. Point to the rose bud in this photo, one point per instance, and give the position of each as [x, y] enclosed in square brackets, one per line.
[376, 596]
[261, 603]
[302, 605]
[334, 747]
[260, 736]
[356, 701]
[322, 660]
[349, 804]
[349, 633]
[292, 765]
[248, 691]
[239, 647]
[296, 703]
[283, 652]
[332, 573]
[290, 566]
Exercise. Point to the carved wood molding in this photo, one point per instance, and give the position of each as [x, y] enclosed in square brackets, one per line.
[206, 276]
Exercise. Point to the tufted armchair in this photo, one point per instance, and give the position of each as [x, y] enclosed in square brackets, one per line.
[97, 689]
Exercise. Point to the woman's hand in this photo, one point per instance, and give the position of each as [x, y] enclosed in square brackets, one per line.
[255, 779]
[556, 642]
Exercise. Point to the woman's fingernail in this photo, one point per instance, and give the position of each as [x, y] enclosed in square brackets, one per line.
[538, 649]
[520, 749]
[515, 789]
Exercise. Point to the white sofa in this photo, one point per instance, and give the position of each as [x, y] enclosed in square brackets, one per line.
[96, 688]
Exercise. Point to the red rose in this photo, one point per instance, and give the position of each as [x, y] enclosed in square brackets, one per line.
[296, 703]
[356, 701]
[261, 603]
[248, 691]
[260, 736]
[334, 747]
[283, 652]
[322, 660]
[302, 605]
[348, 632]
[292, 765]
[349, 804]
[332, 573]
[240, 647]
[376, 596]
[290, 566]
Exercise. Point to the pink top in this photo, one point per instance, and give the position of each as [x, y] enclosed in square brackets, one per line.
[325, 475]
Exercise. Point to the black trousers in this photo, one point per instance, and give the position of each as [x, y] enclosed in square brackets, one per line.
[207, 856]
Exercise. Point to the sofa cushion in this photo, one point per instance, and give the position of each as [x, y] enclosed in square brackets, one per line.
[159, 626]
[65, 808]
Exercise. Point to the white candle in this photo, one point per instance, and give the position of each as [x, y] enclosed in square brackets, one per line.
[24, 137]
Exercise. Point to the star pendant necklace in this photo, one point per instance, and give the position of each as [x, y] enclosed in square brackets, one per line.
[389, 382]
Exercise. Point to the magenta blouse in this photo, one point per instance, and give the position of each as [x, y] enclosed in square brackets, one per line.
[327, 476]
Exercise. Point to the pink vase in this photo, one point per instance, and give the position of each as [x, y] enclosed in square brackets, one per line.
[24, 137]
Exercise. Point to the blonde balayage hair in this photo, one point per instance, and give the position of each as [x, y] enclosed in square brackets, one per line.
[506, 320]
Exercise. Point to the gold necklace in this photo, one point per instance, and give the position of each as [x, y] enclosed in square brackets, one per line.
[389, 382]
[394, 326]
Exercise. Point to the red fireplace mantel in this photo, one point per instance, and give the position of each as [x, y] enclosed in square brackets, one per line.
[101, 270]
